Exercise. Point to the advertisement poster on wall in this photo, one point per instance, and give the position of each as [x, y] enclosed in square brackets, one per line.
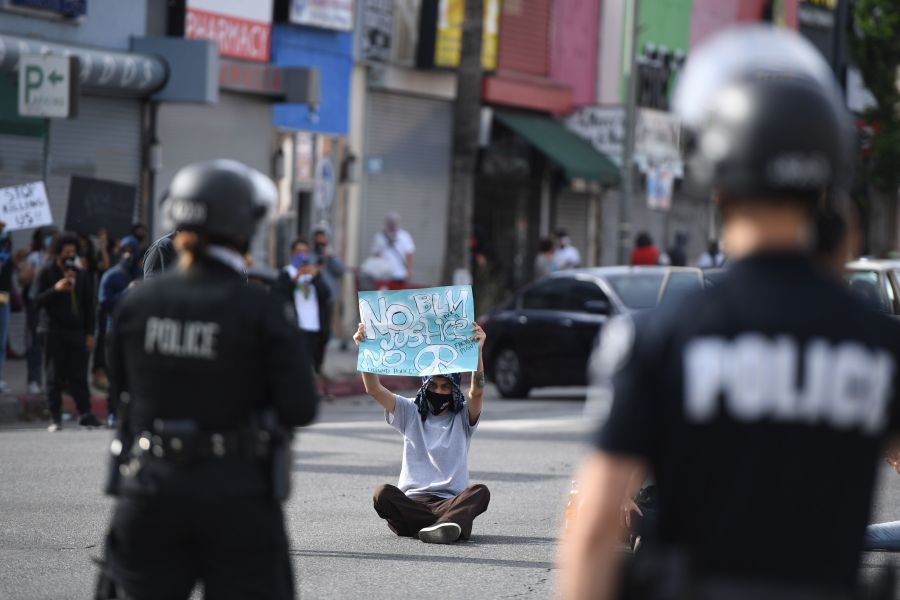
[377, 23]
[442, 22]
[603, 127]
[328, 14]
[657, 142]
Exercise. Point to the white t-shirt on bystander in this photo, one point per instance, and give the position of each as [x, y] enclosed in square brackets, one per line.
[567, 257]
[305, 301]
[394, 251]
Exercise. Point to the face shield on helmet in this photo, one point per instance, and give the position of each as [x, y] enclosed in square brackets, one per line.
[266, 193]
[765, 115]
[223, 199]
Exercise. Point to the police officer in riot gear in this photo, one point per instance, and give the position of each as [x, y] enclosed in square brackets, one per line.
[215, 374]
[760, 405]
[162, 256]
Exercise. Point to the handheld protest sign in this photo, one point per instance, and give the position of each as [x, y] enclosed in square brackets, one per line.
[95, 203]
[418, 332]
[25, 206]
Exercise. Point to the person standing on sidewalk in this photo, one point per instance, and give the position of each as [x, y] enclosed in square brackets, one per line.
[645, 251]
[301, 284]
[566, 256]
[331, 269]
[40, 255]
[7, 269]
[433, 499]
[100, 257]
[65, 296]
[396, 246]
[113, 285]
[216, 375]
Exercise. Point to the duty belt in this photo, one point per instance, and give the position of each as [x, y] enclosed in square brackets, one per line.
[204, 445]
[179, 440]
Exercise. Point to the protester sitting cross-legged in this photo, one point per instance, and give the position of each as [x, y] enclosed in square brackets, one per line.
[433, 499]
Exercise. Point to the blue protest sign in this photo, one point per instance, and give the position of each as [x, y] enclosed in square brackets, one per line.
[418, 332]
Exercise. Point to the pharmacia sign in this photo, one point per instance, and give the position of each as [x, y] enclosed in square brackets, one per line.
[241, 28]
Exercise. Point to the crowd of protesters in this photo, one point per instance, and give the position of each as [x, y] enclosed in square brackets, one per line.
[68, 286]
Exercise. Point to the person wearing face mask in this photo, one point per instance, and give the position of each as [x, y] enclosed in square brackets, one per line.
[567, 255]
[332, 269]
[113, 285]
[65, 295]
[41, 244]
[301, 284]
[433, 499]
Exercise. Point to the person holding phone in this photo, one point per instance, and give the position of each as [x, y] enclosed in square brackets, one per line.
[65, 297]
[302, 285]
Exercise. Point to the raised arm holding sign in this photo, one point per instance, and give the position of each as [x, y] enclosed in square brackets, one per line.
[430, 332]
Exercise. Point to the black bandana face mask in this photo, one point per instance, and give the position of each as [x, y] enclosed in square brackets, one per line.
[437, 402]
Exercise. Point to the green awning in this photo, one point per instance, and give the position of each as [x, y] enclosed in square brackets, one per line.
[576, 156]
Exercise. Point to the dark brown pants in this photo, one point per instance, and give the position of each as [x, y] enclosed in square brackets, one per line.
[406, 516]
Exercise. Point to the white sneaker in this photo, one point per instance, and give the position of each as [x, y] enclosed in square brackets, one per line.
[4, 387]
[55, 427]
[33, 388]
[440, 533]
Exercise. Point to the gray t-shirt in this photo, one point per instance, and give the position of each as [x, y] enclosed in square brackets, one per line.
[435, 451]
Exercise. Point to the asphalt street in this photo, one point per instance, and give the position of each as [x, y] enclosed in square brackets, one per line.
[53, 514]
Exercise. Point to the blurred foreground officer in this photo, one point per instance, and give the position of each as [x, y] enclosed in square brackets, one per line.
[763, 407]
[215, 375]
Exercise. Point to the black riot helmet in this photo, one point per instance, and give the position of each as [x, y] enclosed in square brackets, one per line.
[223, 199]
[765, 117]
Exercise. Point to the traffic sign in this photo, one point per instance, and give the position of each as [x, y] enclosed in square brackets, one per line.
[48, 86]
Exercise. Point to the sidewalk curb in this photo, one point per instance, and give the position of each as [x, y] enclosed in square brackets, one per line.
[30, 408]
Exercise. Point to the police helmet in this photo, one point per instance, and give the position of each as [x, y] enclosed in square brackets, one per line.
[765, 117]
[222, 198]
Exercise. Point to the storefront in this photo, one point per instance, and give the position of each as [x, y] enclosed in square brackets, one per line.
[313, 137]
[406, 164]
[237, 122]
[534, 177]
[102, 141]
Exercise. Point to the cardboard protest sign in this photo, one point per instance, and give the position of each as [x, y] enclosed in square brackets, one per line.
[418, 332]
[97, 203]
[25, 206]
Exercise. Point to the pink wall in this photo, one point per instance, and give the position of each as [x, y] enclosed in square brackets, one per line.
[790, 13]
[708, 16]
[573, 54]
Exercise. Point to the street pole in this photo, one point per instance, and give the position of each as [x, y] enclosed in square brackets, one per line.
[45, 174]
[627, 195]
[466, 125]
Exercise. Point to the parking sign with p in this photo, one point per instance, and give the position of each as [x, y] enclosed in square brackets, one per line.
[48, 86]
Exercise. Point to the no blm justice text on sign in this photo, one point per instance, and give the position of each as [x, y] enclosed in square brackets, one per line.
[418, 332]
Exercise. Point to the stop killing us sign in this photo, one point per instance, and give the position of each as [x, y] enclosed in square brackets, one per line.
[25, 206]
[418, 332]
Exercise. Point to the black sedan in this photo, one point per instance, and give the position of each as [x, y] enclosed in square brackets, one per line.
[545, 334]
